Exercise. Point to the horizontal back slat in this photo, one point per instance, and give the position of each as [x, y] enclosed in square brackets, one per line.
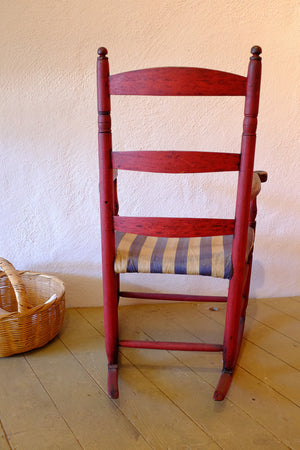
[174, 227]
[177, 81]
[175, 161]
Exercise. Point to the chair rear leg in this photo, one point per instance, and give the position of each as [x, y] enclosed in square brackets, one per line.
[247, 287]
[110, 304]
[234, 329]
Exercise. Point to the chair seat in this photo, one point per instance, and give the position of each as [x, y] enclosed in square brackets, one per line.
[209, 256]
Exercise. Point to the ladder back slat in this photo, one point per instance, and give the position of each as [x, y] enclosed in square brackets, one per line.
[174, 227]
[177, 81]
[175, 161]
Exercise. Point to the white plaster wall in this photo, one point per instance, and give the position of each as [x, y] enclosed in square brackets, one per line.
[48, 140]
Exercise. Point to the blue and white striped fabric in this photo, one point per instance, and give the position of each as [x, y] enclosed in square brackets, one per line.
[210, 256]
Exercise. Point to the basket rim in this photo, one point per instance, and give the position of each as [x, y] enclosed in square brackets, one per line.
[34, 310]
[41, 274]
[43, 305]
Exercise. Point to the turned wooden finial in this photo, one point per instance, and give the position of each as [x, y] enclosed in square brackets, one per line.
[102, 52]
[256, 51]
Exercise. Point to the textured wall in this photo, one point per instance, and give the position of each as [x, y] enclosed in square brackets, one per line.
[49, 176]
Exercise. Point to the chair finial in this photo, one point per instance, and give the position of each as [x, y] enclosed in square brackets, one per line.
[256, 51]
[102, 52]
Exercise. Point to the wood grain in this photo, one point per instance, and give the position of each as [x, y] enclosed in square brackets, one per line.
[188, 378]
[180, 81]
[66, 380]
[173, 226]
[177, 81]
[175, 161]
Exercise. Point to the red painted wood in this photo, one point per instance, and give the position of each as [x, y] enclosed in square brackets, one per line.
[174, 227]
[112, 381]
[235, 292]
[107, 207]
[262, 175]
[253, 212]
[226, 375]
[246, 287]
[172, 297]
[177, 81]
[223, 386]
[245, 278]
[175, 161]
[116, 201]
[181, 346]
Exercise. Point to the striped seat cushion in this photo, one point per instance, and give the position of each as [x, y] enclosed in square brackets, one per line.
[210, 256]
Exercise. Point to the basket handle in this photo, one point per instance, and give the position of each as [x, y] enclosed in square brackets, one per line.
[17, 284]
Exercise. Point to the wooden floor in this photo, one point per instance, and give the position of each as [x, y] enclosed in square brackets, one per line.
[55, 397]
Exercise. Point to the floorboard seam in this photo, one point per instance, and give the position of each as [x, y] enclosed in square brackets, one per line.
[245, 338]
[53, 402]
[271, 387]
[5, 434]
[268, 303]
[97, 381]
[158, 388]
[271, 328]
[242, 368]
[172, 401]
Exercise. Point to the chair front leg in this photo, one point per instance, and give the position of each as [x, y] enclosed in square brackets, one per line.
[110, 304]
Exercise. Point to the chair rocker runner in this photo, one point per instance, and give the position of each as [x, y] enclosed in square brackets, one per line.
[214, 247]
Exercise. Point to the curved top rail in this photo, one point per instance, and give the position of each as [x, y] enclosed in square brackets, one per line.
[183, 81]
[175, 161]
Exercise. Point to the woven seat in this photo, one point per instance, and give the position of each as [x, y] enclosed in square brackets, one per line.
[209, 256]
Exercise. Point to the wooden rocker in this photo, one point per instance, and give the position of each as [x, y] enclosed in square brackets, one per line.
[199, 246]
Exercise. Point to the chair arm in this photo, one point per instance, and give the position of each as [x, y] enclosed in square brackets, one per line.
[115, 174]
[259, 176]
[263, 176]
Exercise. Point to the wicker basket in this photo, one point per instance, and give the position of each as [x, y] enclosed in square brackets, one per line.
[32, 309]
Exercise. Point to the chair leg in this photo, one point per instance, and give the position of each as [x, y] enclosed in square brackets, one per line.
[227, 374]
[112, 381]
[247, 287]
[234, 329]
[110, 304]
[223, 385]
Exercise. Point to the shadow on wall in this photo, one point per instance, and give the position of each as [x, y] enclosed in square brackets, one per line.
[258, 275]
[81, 290]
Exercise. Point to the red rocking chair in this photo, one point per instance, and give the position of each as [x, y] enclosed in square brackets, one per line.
[215, 247]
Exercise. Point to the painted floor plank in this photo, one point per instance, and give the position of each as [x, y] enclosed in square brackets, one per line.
[185, 387]
[279, 345]
[279, 375]
[256, 331]
[86, 408]
[203, 362]
[165, 397]
[193, 395]
[285, 415]
[287, 305]
[271, 409]
[281, 322]
[27, 413]
[161, 423]
[4, 445]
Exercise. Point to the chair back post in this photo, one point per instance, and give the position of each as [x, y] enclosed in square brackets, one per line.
[137, 253]
[106, 194]
[105, 146]
[247, 160]
[242, 212]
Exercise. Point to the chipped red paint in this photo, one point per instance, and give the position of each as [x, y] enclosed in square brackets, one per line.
[178, 81]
